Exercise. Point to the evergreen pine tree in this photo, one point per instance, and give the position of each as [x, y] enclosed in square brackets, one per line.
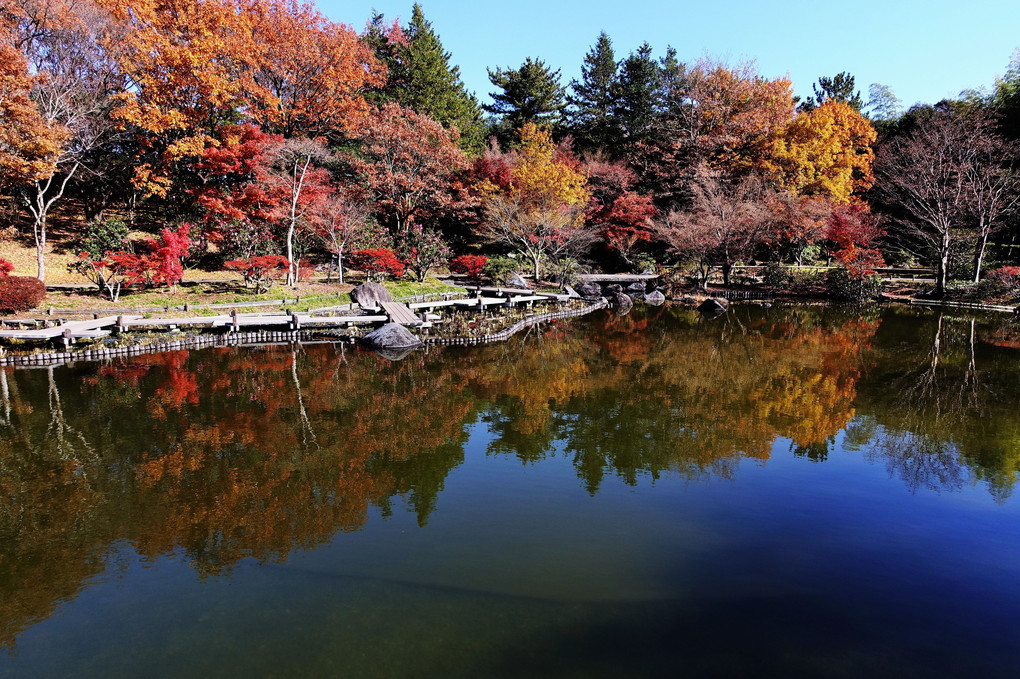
[838, 88]
[639, 96]
[590, 116]
[426, 82]
[531, 93]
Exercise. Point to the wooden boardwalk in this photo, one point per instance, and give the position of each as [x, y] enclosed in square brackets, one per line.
[69, 331]
[400, 313]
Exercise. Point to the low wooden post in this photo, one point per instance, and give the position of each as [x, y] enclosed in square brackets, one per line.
[233, 320]
[68, 340]
[120, 324]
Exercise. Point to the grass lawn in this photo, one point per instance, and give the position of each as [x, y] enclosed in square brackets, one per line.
[199, 287]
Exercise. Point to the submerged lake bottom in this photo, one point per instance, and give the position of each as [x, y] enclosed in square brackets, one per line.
[794, 491]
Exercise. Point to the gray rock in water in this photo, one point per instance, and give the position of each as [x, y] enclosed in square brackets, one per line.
[516, 281]
[589, 289]
[391, 336]
[713, 305]
[688, 300]
[614, 288]
[620, 300]
[655, 298]
[370, 294]
[636, 288]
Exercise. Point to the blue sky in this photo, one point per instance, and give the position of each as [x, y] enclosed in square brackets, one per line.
[923, 50]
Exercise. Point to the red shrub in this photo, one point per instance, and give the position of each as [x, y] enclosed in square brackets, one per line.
[379, 261]
[258, 272]
[5, 267]
[20, 293]
[471, 265]
[1006, 277]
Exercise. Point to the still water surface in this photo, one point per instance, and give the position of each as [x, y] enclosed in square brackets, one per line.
[797, 491]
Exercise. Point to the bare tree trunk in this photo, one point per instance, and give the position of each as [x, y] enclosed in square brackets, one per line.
[942, 274]
[40, 207]
[979, 252]
[297, 182]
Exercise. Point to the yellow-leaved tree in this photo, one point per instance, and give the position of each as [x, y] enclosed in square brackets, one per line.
[826, 152]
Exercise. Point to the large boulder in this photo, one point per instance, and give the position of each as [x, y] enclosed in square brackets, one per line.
[588, 289]
[620, 300]
[391, 336]
[713, 305]
[370, 294]
[636, 288]
[614, 288]
[655, 298]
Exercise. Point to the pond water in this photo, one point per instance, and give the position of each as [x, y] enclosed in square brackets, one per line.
[798, 491]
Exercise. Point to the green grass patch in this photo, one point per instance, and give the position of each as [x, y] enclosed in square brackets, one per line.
[431, 286]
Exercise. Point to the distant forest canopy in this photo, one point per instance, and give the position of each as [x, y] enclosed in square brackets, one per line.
[269, 129]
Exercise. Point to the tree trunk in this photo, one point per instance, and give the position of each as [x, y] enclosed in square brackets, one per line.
[40, 247]
[979, 252]
[726, 267]
[942, 273]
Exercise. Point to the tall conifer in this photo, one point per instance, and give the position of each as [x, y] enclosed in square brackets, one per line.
[590, 116]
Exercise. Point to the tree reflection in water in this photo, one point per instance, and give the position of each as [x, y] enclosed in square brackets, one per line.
[230, 454]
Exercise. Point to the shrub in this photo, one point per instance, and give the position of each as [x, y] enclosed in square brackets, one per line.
[5, 267]
[258, 272]
[377, 262]
[239, 240]
[644, 264]
[501, 269]
[422, 250]
[20, 293]
[472, 265]
[1004, 279]
[166, 254]
[846, 286]
[100, 237]
[775, 276]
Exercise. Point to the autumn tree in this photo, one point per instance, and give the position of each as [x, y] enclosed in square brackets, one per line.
[825, 151]
[343, 223]
[190, 68]
[923, 178]
[410, 166]
[616, 209]
[28, 142]
[314, 71]
[75, 80]
[714, 115]
[993, 184]
[726, 222]
[944, 173]
[295, 176]
[541, 212]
